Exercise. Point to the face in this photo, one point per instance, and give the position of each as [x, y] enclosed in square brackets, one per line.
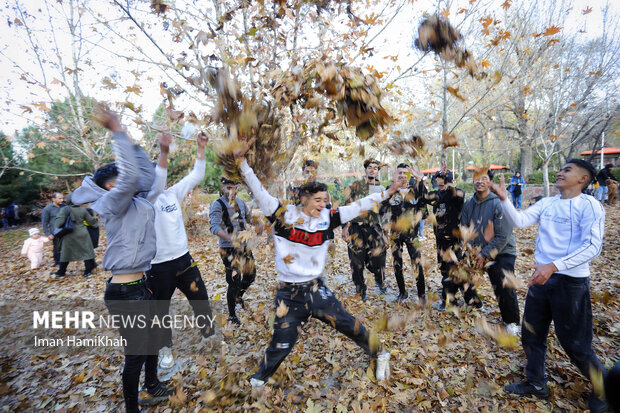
[401, 174]
[372, 171]
[482, 184]
[314, 203]
[58, 199]
[36, 236]
[518, 174]
[230, 190]
[440, 183]
[571, 176]
[309, 173]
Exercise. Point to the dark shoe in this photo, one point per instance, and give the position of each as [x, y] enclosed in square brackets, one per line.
[597, 405]
[528, 389]
[157, 394]
[361, 290]
[241, 302]
[440, 305]
[233, 319]
[402, 297]
[88, 274]
[381, 288]
[56, 275]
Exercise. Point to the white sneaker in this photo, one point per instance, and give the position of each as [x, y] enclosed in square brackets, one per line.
[383, 366]
[513, 328]
[422, 238]
[256, 383]
[166, 359]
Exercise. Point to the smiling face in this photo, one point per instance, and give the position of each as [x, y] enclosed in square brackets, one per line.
[482, 184]
[230, 190]
[309, 173]
[372, 171]
[313, 204]
[572, 176]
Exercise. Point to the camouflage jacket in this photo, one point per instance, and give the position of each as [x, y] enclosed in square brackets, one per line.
[359, 189]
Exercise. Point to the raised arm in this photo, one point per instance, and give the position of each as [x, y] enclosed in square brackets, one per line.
[266, 202]
[519, 219]
[195, 177]
[161, 171]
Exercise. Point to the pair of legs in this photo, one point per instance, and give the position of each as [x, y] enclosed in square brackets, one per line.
[601, 193]
[506, 297]
[240, 274]
[182, 273]
[366, 249]
[450, 287]
[516, 201]
[414, 254]
[133, 300]
[305, 300]
[565, 301]
[89, 266]
[56, 250]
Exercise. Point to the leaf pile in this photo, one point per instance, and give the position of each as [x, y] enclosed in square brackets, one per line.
[246, 117]
[436, 34]
[349, 93]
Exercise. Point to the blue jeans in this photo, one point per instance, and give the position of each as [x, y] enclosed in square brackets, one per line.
[565, 301]
[516, 201]
[601, 193]
[421, 230]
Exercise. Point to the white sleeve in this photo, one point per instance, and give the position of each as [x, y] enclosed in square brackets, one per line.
[267, 203]
[353, 210]
[159, 183]
[522, 219]
[592, 227]
[189, 182]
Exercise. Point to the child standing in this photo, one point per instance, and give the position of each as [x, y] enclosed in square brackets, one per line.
[33, 248]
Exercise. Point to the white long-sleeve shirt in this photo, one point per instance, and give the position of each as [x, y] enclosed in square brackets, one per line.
[570, 231]
[301, 242]
[169, 225]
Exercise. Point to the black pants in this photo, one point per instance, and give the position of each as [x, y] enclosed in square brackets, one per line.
[414, 254]
[366, 249]
[303, 300]
[565, 301]
[125, 300]
[450, 287]
[506, 297]
[240, 274]
[182, 273]
[89, 265]
[56, 250]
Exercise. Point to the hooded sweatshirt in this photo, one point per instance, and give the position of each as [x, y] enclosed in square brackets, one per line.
[481, 213]
[128, 218]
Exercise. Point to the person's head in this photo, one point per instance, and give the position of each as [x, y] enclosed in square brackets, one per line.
[482, 184]
[609, 166]
[105, 177]
[401, 171]
[372, 166]
[575, 173]
[58, 198]
[441, 179]
[229, 188]
[308, 170]
[518, 174]
[313, 196]
[34, 233]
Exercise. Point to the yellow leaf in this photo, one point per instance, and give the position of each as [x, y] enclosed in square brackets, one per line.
[485, 63]
[282, 310]
[550, 31]
[217, 297]
[133, 89]
[587, 10]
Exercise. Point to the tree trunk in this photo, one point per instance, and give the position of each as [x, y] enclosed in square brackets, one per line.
[545, 168]
[526, 159]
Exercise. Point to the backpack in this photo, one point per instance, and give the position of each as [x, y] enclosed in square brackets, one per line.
[226, 218]
[67, 227]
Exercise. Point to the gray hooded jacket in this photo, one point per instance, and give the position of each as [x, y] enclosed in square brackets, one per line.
[480, 213]
[128, 218]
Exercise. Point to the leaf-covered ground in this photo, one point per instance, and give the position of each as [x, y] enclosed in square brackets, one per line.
[440, 362]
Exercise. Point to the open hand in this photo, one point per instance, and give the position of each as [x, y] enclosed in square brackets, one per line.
[240, 154]
[499, 189]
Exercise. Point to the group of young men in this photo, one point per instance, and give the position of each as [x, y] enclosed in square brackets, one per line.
[147, 253]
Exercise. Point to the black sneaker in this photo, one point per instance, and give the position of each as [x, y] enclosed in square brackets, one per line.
[528, 389]
[241, 302]
[381, 288]
[402, 297]
[56, 275]
[88, 274]
[597, 405]
[233, 319]
[157, 394]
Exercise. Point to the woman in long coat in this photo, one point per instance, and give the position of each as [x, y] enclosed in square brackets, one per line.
[77, 245]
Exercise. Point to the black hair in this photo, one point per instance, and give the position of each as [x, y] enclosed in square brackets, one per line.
[584, 165]
[369, 161]
[609, 165]
[226, 181]
[308, 162]
[442, 176]
[311, 188]
[490, 174]
[105, 174]
[402, 165]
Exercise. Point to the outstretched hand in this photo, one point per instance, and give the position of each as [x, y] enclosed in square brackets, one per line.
[164, 142]
[240, 154]
[499, 189]
[109, 120]
[202, 139]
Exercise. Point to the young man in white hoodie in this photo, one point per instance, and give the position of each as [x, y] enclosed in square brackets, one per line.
[301, 237]
[173, 266]
[570, 232]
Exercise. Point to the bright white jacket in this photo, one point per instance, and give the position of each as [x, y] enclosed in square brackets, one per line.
[570, 231]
